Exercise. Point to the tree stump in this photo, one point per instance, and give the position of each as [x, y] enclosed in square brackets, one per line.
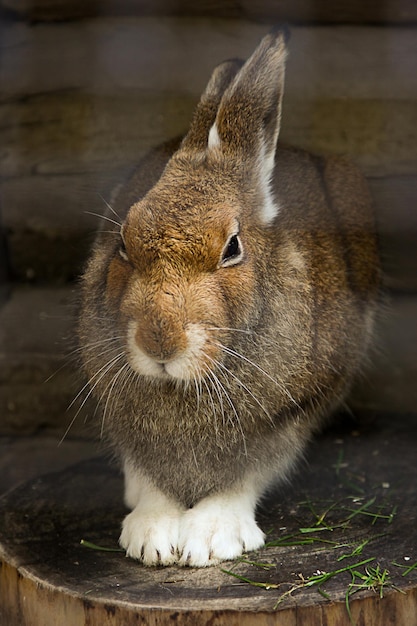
[342, 537]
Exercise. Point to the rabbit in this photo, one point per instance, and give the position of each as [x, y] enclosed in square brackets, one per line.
[226, 317]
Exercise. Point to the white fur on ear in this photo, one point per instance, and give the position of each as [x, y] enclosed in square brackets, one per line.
[269, 209]
[214, 140]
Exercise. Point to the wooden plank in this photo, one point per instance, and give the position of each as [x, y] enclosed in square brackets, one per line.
[395, 201]
[63, 134]
[379, 135]
[38, 370]
[177, 55]
[113, 88]
[67, 133]
[339, 11]
[390, 379]
[48, 578]
[42, 455]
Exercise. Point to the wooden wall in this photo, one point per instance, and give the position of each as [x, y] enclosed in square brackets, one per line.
[82, 101]
[88, 87]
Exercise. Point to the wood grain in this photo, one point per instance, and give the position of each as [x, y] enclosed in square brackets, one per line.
[177, 55]
[48, 578]
[82, 102]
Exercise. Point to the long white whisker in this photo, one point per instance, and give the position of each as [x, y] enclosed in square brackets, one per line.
[103, 217]
[93, 344]
[216, 384]
[74, 355]
[105, 391]
[111, 209]
[215, 381]
[234, 330]
[107, 368]
[131, 380]
[111, 385]
[103, 353]
[70, 356]
[55, 372]
[232, 406]
[103, 371]
[197, 385]
[213, 406]
[244, 358]
[226, 369]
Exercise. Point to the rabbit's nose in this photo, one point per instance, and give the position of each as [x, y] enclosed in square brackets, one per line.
[161, 339]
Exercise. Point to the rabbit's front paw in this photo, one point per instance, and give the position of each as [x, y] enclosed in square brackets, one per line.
[211, 533]
[151, 536]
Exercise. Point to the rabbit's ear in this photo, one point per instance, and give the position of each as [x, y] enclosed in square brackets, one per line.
[205, 113]
[248, 118]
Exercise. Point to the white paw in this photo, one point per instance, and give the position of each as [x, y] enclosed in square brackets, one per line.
[151, 536]
[210, 534]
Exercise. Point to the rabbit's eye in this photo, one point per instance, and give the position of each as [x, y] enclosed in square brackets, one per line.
[232, 253]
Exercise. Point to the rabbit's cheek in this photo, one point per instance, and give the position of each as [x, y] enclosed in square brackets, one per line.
[239, 285]
[117, 279]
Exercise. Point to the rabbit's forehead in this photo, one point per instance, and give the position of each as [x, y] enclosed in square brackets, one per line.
[176, 231]
[158, 219]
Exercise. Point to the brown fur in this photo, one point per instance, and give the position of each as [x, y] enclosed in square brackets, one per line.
[301, 300]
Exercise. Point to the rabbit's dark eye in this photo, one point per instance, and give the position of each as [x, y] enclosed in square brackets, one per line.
[232, 253]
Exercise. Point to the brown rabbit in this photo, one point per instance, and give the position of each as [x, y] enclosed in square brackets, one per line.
[227, 317]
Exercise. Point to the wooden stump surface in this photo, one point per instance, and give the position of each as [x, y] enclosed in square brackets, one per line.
[352, 500]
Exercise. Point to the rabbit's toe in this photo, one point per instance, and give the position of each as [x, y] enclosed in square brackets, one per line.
[213, 534]
[151, 537]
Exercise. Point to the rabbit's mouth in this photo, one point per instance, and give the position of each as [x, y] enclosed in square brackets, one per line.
[190, 362]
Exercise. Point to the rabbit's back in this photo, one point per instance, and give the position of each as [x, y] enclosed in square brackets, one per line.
[327, 216]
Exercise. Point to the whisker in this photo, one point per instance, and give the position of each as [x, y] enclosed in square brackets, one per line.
[215, 386]
[55, 372]
[131, 379]
[94, 344]
[92, 358]
[107, 368]
[111, 208]
[244, 358]
[226, 369]
[103, 217]
[74, 355]
[111, 385]
[235, 330]
[213, 378]
[100, 374]
[232, 406]
[103, 394]
[197, 385]
[213, 406]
